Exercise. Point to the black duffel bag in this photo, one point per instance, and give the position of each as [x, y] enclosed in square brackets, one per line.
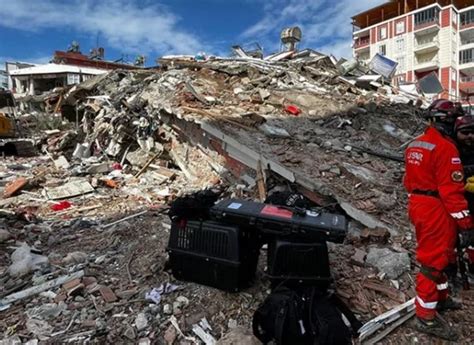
[303, 317]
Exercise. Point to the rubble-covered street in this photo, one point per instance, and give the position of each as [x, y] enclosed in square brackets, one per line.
[84, 225]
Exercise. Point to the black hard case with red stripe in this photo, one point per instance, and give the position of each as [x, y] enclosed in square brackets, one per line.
[281, 221]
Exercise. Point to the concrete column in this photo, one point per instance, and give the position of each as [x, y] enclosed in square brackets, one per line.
[31, 90]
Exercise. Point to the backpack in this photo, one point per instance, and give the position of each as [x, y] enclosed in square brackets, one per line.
[305, 317]
[193, 206]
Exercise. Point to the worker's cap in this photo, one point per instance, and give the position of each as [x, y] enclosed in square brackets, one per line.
[444, 109]
[463, 122]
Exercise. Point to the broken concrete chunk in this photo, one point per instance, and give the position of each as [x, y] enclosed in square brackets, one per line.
[359, 257]
[273, 131]
[69, 190]
[130, 333]
[4, 235]
[99, 168]
[264, 94]
[75, 258]
[141, 322]
[391, 264]
[62, 163]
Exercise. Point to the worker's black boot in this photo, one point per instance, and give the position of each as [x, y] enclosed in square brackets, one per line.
[448, 304]
[437, 327]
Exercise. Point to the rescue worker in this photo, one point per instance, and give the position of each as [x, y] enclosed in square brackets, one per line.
[437, 208]
[464, 135]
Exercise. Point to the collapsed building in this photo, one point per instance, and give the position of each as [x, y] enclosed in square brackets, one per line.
[250, 126]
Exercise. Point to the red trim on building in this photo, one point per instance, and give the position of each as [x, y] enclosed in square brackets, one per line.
[410, 76]
[445, 17]
[373, 36]
[444, 78]
[78, 59]
[410, 23]
[390, 29]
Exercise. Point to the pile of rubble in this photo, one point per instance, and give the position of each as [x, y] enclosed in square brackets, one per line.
[84, 227]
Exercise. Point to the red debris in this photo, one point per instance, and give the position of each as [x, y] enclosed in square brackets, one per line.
[61, 206]
[293, 109]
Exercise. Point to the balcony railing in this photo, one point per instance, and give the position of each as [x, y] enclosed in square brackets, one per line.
[468, 79]
[467, 19]
[361, 42]
[427, 43]
[466, 42]
[427, 62]
[466, 60]
[427, 22]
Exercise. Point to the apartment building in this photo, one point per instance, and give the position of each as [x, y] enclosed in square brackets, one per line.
[423, 36]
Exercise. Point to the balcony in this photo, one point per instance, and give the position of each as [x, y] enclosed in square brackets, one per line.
[426, 64]
[466, 84]
[426, 45]
[467, 20]
[427, 26]
[466, 65]
[361, 43]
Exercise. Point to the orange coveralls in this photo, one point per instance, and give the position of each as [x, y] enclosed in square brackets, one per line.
[434, 180]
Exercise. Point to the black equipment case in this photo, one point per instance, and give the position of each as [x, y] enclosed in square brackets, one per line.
[213, 254]
[298, 264]
[282, 221]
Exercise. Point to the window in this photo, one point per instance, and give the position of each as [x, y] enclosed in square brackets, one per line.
[427, 16]
[453, 74]
[383, 50]
[455, 18]
[465, 56]
[400, 28]
[383, 33]
[400, 45]
[400, 79]
[73, 79]
[401, 64]
[467, 17]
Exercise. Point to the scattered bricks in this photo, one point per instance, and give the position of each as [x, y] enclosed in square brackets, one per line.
[467, 297]
[60, 297]
[126, 294]
[358, 258]
[14, 187]
[88, 323]
[88, 281]
[107, 294]
[74, 287]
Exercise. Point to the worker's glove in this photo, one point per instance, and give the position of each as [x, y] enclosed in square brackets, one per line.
[469, 186]
[466, 238]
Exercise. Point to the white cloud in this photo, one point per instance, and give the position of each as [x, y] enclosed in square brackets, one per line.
[325, 24]
[125, 25]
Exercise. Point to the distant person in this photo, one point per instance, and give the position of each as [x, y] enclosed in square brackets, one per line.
[464, 129]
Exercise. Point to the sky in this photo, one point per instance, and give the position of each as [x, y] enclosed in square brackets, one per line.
[31, 30]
